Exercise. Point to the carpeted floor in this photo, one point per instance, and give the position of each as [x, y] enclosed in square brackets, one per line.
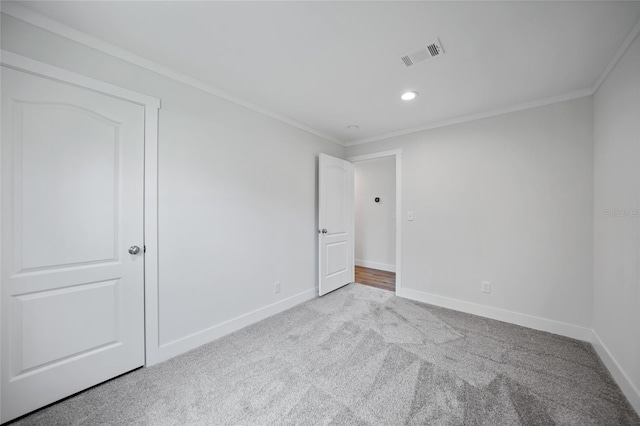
[362, 356]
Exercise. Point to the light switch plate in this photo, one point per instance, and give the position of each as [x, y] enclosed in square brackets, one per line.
[410, 215]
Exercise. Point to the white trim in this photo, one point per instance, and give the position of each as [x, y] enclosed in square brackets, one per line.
[517, 107]
[397, 153]
[471, 117]
[622, 379]
[375, 155]
[41, 21]
[530, 321]
[616, 58]
[151, 106]
[192, 341]
[151, 277]
[375, 265]
[22, 63]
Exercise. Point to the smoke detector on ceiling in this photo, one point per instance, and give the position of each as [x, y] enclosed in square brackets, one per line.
[423, 53]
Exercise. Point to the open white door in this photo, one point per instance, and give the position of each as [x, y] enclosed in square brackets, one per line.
[71, 240]
[335, 220]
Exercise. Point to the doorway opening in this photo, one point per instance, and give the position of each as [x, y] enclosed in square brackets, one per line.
[377, 219]
[377, 278]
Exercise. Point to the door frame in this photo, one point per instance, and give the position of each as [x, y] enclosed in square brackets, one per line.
[151, 106]
[397, 154]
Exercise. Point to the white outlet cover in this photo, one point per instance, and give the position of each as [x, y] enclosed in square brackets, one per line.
[486, 287]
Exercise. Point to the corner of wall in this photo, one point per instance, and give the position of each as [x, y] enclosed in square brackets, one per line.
[626, 385]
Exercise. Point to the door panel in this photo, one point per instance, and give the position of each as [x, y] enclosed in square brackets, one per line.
[72, 203]
[57, 143]
[336, 220]
[336, 255]
[337, 182]
[47, 337]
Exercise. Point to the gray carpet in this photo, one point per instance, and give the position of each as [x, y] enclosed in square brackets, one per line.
[361, 356]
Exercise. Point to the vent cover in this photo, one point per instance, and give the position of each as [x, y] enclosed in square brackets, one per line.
[421, 54]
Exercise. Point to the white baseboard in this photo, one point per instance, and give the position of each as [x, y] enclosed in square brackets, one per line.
[622, 379]
[176, 347]
[530, 321]
[192, 341]
[375, 265]
[564, 329]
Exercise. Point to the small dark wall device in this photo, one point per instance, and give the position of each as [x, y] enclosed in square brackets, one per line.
[377, 199]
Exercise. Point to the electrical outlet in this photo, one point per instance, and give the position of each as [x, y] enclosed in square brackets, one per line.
[486, 287]
[276, 287]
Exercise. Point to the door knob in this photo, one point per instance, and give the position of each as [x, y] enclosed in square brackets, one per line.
[134, 250]
[324, 230]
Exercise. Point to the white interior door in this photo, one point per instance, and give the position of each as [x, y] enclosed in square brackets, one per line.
[336, 223]
[72, 205]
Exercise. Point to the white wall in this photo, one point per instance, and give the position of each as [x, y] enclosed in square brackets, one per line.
[616, 297]
[375, 236]
[237, 195]
[506, 199]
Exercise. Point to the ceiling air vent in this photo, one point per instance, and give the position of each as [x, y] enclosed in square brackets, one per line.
[423, 53]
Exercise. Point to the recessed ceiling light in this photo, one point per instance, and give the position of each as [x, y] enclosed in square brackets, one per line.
[353, 128]
[409, 96]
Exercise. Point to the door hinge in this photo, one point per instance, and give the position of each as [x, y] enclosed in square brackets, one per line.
[144, 249]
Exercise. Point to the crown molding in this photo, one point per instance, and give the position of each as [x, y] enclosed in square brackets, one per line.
[619, 53]
[26, 15]
[518, 107]
[471, 117]
[30, 17]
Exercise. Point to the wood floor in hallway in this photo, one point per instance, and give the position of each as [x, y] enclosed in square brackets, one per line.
[376, 278]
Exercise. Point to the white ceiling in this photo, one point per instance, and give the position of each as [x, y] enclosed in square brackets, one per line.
[329, 65]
